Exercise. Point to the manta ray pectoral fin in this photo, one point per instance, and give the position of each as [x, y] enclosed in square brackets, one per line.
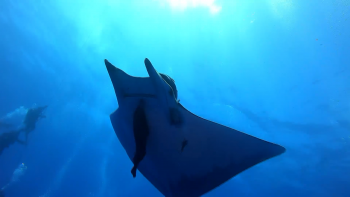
[217, 153]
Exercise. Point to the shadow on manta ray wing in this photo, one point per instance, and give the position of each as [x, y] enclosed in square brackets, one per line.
[186, 155]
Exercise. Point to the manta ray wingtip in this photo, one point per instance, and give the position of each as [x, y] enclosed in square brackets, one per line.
[283, 150]
[109, 66]
[147, 62]
[107, 62]
[279, 150]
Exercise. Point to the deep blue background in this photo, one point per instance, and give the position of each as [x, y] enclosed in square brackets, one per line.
[275, 69]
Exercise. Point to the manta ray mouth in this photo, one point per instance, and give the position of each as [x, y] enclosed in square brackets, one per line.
[140, 95]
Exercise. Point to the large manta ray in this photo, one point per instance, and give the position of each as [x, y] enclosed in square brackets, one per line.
[186, 155]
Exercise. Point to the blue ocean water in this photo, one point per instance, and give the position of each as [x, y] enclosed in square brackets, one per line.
[275, 69]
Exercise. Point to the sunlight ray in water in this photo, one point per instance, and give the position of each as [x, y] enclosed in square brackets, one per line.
[186, 4]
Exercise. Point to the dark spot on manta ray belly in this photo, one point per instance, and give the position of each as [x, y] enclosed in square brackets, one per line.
[184, 143]
[175, 117]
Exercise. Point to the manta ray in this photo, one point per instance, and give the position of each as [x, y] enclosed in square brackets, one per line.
[186, 155]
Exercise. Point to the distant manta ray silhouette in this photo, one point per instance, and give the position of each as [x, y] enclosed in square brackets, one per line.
[187, 156]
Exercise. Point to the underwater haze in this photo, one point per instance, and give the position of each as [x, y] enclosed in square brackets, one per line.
[275, 69]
